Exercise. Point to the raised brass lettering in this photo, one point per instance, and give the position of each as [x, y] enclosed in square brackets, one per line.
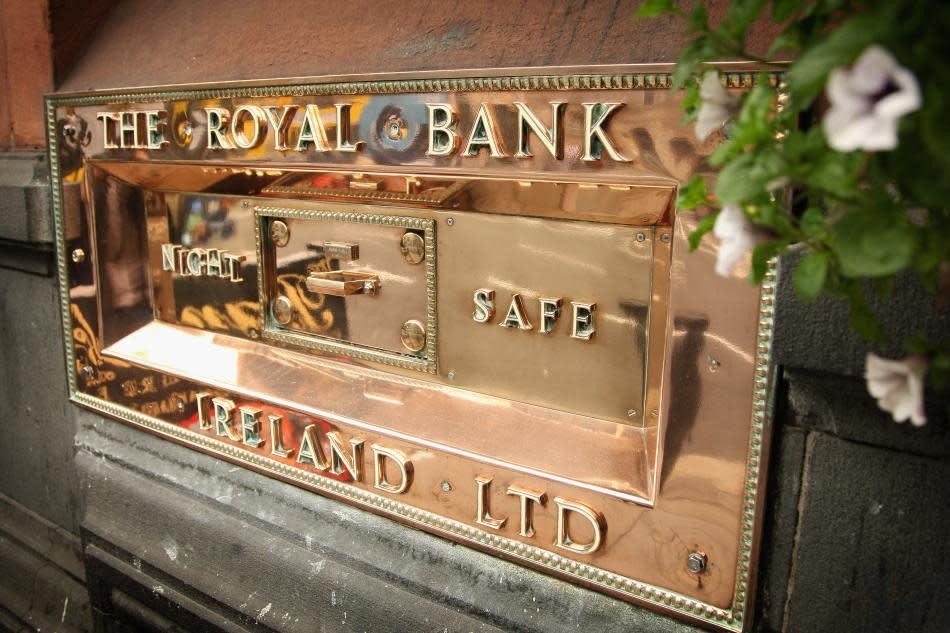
[251, 426]
[515, 318]
[280, 125]
[109, 119]
[381, 481]
[443, 138]
[343, 143]
[582, 324]
[312, 131]
[276, 439]
[552, 138]
[223, 416]
[310, 450]
[484, 134]
[563, 540]
[595, 138]
[256, 118]
[484, 305]
[550, 311]
[155, 124]
[201, 399]
[218, 119]
[528, 497]
[340, 458]
[482, 510]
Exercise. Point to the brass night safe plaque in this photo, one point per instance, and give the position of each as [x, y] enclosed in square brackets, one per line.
[462, 302]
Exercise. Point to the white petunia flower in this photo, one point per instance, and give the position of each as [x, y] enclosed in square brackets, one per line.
[898, 386]
[717, 107]
[867, 100]
[737, 235]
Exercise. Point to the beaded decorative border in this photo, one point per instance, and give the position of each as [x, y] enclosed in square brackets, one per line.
[427, 361]
[733, 619]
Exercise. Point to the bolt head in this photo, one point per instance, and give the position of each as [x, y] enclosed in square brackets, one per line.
[282, 309]
[696, 562]
[78, 255]
[413, 335]
[279, 233]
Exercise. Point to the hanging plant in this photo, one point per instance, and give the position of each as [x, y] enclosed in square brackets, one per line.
[846, 159]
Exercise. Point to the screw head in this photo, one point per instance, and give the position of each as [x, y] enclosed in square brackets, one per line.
[450, 221]
[88, 372]
[282, 309]
[446, 485]
[413, 247]
[279, 233]
[665, 238]
[413, 336]
[696, 562]
[180, 404]
[641, 237]
[450, 375]
[631, 413]
[79, 255]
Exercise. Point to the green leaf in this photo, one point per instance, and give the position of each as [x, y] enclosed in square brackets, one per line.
[872, 243]
[740, 15]
[745, 177]
[806, 77]
[699, 50]
[697, 19]
[783, 9]
[761, 255]
[866, 324]
[862, 319]
[692, 194]
[705, 226]
[810, 275]
[812, 222]
[653, 8]
[691, 101]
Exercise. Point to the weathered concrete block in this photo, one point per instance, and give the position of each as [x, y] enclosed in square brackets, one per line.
[871, 550]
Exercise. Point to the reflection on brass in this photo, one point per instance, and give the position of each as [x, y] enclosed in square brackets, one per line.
[342, 283]
[571, 203]
[279, 233]
[282, 309]
[413, 336]
[413, 247]
[396, 128]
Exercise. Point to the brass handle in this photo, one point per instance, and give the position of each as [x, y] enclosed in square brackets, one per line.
[341, 283]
